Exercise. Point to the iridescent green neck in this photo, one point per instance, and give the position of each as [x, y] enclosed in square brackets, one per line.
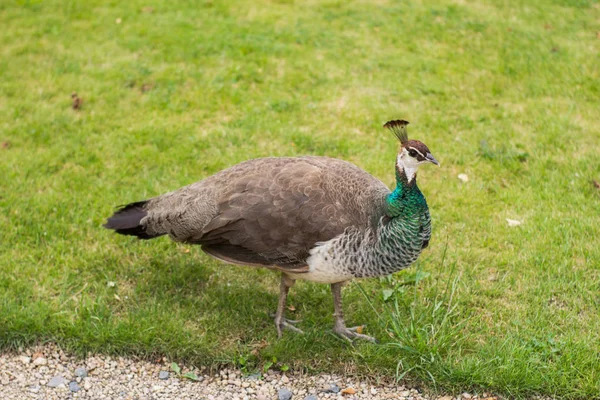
[406, 199]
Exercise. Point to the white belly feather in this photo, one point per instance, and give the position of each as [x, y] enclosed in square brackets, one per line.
[322, 265]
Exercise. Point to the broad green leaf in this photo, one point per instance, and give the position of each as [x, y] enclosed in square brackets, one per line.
[175, 368]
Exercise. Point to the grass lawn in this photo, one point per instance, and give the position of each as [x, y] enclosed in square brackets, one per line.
[506, 92]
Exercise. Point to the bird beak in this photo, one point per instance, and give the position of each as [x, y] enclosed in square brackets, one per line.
[432, 159]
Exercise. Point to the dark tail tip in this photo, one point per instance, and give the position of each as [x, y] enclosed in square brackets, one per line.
[126, 220]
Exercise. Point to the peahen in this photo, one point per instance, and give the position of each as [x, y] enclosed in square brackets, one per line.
[315, 218]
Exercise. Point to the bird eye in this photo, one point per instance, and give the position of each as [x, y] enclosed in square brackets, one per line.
[412, 153]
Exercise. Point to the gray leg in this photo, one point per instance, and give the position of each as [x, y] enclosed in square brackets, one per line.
[280, 321]
[340, 326]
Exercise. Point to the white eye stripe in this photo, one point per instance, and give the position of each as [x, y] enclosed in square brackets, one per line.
[412, 148]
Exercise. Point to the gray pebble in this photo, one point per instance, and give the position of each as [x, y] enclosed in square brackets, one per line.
[74, 387]
[311, 397]
[284, 394]
[80, 372]
[333, 388]
[254, 377]
[164, 375]
[56, 381]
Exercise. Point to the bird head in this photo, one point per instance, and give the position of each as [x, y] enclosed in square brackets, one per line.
[412, 153]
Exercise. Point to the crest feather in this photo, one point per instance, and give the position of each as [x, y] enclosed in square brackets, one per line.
[398, 127]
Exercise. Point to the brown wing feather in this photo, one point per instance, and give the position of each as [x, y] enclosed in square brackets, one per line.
[278, 215]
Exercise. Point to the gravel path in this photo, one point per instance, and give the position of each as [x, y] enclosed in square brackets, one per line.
[47, 373]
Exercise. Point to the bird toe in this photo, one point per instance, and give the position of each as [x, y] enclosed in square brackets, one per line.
[353, 333]
[285, 324]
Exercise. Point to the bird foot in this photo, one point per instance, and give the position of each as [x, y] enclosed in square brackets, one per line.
[288, 324]
[353, 333]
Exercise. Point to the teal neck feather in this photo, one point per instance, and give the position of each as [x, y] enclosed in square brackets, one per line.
[406, 199]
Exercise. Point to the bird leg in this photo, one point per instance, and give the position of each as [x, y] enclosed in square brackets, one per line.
[280, 321]
[340, 326]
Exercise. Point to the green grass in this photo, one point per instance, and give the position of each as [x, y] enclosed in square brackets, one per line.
[507, 92]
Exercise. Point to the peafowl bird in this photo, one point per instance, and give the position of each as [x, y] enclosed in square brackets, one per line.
[315, 218]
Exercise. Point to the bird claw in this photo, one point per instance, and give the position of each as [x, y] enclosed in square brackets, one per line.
[287, 324]
[353, 333]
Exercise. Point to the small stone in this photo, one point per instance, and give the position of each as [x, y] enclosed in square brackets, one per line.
[254, 377]
[56, 381]
[87, 385]
[466, 396]
[25, 360]
[373, 391]
[463, 177]
[311, 397]
[348, 391]
[284, 394]
[34, 388]
[163, 375]
[74, 387]
[40, 361]
[333, 388]
[81, 372]
[285, 379]
[20, 378]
